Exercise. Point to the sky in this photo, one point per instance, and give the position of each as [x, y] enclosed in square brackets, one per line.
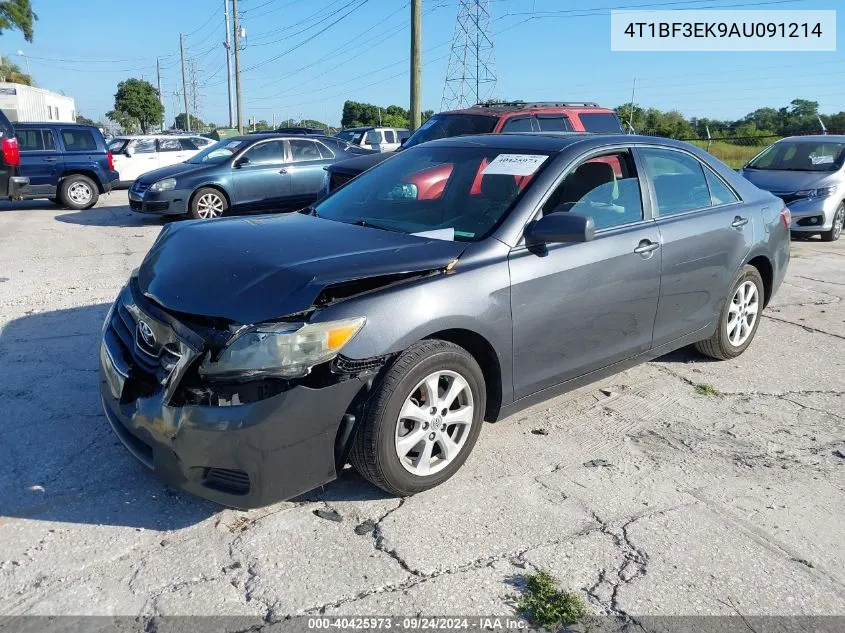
[304, 58]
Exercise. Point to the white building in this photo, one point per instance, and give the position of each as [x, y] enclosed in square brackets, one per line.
[27, 103]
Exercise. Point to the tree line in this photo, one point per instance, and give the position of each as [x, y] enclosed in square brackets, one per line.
[801, 116]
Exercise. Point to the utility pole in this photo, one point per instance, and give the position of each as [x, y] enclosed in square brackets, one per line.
[237, 43]
[416, 62]
[160, 93]
[228, 61]
[184, 82]
[274, 120]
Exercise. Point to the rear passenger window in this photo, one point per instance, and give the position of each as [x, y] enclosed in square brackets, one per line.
[187, 144]
[30, 140]
[720, 193]
[169, 145]
[679, 182]
[518, 124]
[49, 140]
[304, 150]
[325, 152]
[389, 136]
[555, 123]
[605, 187]
[78, 140]
[144, 146]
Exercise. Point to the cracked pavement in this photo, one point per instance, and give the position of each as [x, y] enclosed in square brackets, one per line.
[637, 492]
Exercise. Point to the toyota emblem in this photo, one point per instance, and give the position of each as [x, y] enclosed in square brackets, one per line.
[146, 333]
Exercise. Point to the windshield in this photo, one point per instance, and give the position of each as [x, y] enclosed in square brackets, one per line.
[351, 136]
[218, 152]
[448, 125]
[117, 145]
[800, 156]
[450, 193]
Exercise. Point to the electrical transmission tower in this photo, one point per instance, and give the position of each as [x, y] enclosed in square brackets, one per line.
[471, 75]
[195, 95]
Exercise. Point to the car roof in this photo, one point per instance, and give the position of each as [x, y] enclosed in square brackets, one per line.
[499, 108]
[552, 141]
[815, 138]
[43, 123]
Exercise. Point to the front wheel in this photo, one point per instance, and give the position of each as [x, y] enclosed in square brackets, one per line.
[424, 419]
[838, 220]
[78, 192]
[208, 203]
[740, 317]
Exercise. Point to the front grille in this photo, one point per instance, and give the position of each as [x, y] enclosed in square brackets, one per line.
[140, 187]
[234, 482]
[156, 359]
[337, 179]
[157, 206]
[135, 205]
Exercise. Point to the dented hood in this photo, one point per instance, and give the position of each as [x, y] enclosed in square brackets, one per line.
[251, 270]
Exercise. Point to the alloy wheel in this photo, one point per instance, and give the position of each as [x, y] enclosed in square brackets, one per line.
[80, 193]
[838, 221]
[742, 313]
[210, 205]
[434, 423]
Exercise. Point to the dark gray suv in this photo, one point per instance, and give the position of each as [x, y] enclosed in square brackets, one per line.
[455, 283]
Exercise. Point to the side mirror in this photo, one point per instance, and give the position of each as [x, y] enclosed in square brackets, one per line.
[561, 227]
[243, 160]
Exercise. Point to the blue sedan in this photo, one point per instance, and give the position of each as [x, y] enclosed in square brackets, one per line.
[241, 174]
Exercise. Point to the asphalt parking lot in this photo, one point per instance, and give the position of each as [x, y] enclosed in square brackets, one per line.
[681, 487]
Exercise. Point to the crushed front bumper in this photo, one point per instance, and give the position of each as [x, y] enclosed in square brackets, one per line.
[241, 455]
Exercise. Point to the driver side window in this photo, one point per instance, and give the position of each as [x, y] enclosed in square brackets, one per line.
[604, 187]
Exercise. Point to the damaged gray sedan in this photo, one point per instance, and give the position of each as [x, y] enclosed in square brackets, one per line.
[248, 360]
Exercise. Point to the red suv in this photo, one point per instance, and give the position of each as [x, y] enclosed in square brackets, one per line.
[491, 118]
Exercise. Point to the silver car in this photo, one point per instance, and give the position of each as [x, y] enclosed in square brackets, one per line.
[807, 173]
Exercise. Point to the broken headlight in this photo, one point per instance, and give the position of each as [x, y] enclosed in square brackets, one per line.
[285, 350]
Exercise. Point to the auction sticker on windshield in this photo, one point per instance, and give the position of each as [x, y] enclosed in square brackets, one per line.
[515, 164]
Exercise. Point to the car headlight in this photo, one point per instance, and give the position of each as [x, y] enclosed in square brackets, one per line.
[824, 192]
[167, 184]
[286, 350]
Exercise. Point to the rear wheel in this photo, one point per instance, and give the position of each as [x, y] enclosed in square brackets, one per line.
[424, 420]
[78, 192]
[208, 203]
[740, 317]
[838, 220]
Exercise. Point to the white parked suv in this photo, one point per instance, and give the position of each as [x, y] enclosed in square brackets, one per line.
[380, 139]
[136, 155]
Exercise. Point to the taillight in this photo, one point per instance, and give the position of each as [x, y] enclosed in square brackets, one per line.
[111, 161]
[785, 217]
[11, 151]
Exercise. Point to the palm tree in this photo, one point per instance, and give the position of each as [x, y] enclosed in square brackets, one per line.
[10, 72]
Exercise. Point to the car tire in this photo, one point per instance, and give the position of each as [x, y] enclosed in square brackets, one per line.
[732, 337]
[838, 219]
[409, 467]
[78, 192]
[208, 203]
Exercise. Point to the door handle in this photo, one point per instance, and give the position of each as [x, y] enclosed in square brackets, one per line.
[283, 171]
[49, 159]
[739, 222]
[645, 247]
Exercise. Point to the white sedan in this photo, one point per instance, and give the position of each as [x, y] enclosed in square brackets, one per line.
[136, 155]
